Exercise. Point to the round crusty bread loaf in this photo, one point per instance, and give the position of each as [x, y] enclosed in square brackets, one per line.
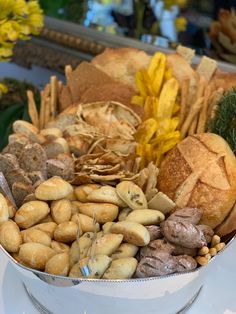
[201, 172]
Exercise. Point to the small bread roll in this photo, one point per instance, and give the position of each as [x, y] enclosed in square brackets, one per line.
[53, 189]
[106, 228]
[60, 247]
[58, 265]
[48, 227]
[121, 268]
[37, 236]
[95, 266]
[31, 213]
[107, 244]
[105, 194]
[133, 232]
[61, 211]
[10, 236]
[124, 213]
[146, 217]
[104, 212]
[79, 249]
[35, 255]
[132, 195]
[51, 133]
[125, 250]
[66, 232]
[84, 190]
[85, 223]
[4, 211]
[28, 130]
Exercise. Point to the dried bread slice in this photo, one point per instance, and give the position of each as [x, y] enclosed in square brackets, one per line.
[162, 203]
[207, 68]
[186, 53]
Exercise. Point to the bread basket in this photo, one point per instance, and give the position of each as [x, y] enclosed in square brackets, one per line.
[167, 294]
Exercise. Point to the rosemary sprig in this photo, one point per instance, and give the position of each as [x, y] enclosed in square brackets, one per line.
[224, 122]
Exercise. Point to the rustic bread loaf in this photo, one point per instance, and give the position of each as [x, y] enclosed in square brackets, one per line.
[201, 172]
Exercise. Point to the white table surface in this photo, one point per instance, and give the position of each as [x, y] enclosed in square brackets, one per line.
[218, 295]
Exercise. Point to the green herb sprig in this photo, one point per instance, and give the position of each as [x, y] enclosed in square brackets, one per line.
[224, 122]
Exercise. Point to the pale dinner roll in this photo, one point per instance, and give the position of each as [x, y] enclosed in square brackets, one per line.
[200, 172]
[53, 189]
[133, 232]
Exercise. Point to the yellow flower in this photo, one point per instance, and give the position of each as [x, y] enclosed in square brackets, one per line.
[6, 8]
[33, 7]
[20, 8]
[10, 30]
[3, 89]
[180, 24]
[35, 21]
[5, 52]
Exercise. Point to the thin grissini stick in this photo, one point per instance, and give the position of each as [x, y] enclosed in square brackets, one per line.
[53, 99]
[194, 111]
[68, 71]
[216, 96]
[203, 113]
[184, 99]
[42, 111]
[44, 94]
[47, 111]
[59, 90]
[199, 93]
[33, 113]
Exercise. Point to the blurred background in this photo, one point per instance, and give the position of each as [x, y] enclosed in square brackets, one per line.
[162, 23]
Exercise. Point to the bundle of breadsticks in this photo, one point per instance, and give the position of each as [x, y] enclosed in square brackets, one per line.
[50, 104]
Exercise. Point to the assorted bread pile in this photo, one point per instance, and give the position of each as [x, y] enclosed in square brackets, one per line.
[116, 177]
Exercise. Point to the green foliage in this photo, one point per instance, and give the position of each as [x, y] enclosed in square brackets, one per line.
[13, 106]
[71, 10]
[224, 123]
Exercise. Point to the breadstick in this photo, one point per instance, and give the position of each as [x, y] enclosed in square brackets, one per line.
[68, 71]
[44, 95]
[203, 113]
[42, 111]
[193, 126]
[47, 111]
[216, 96]
[199, 93]
[53, 98]
[194, 111]
[184, 99]
[33, 113]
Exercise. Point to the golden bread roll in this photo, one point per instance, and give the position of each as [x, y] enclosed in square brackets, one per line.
[37, 236]
[107, 244]
[10, 236]
[146, 216]
[58, 265]
[105, 194]
[53, 189]
[121, 268]
[61, 211]
[125, 250]
[200, 172]
[103, 212]
[132, 195]
[4, 210]
[35, 255]
[31, 213]
[133, 232]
